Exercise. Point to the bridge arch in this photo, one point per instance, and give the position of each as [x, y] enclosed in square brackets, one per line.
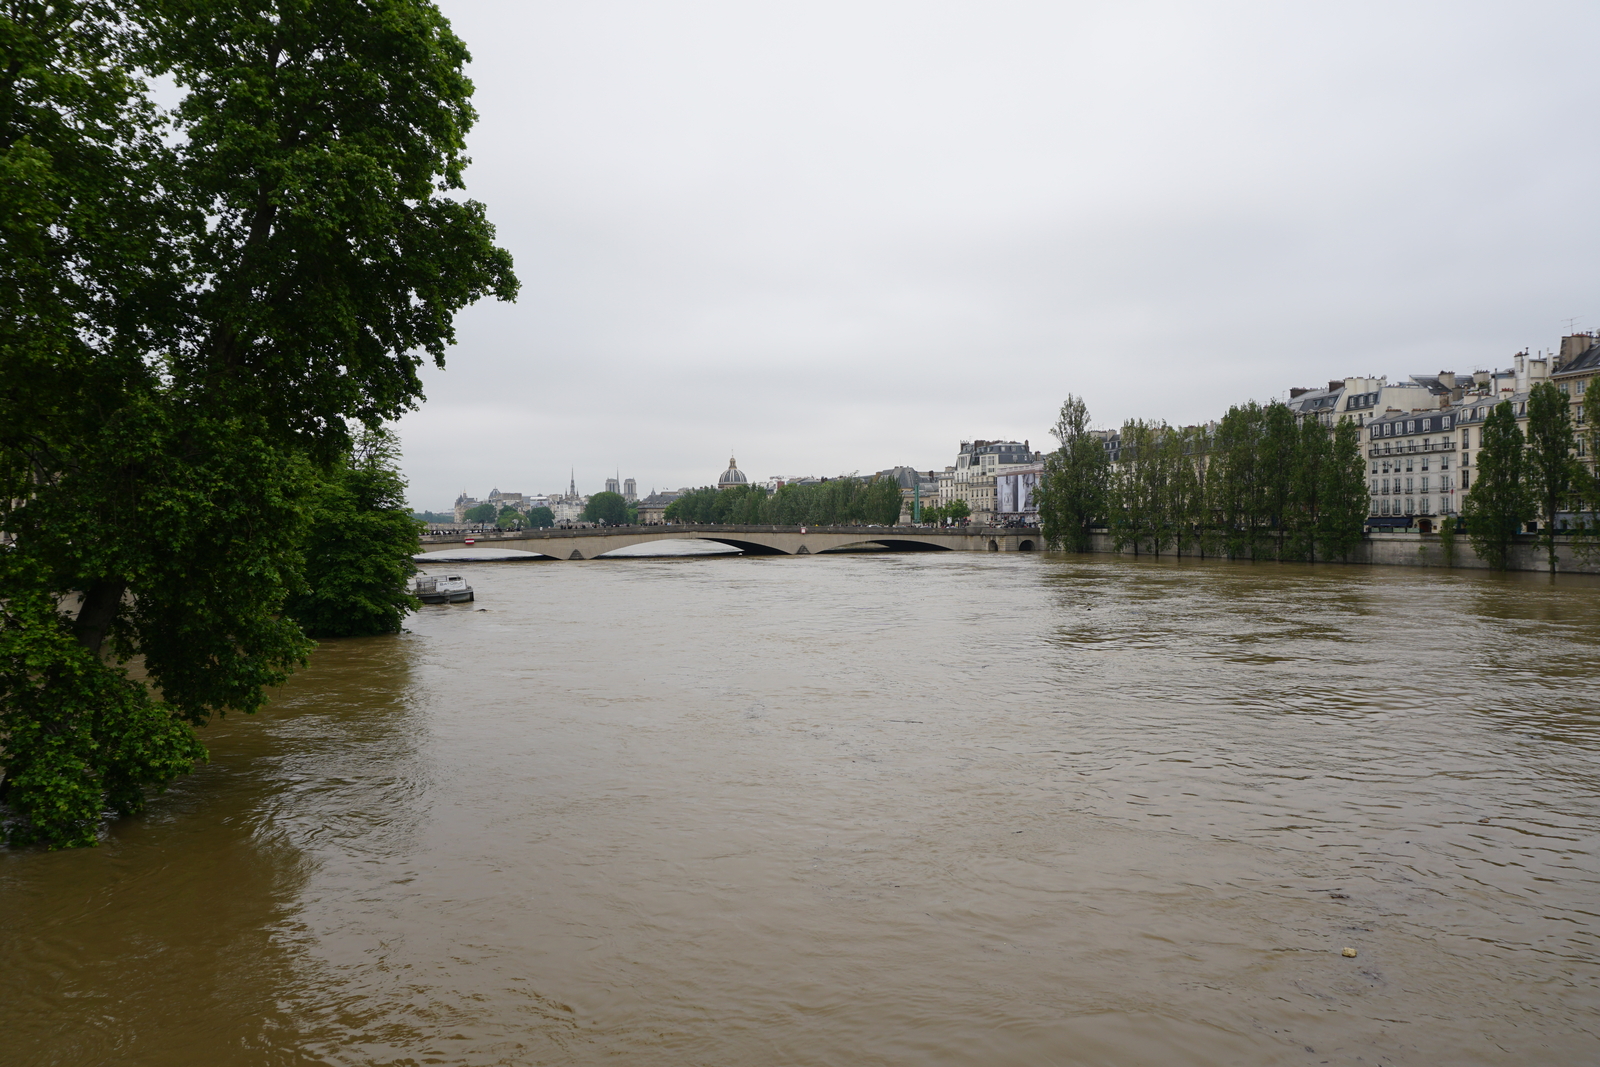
[591, 543]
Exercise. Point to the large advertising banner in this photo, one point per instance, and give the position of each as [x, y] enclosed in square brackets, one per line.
[1014, 494]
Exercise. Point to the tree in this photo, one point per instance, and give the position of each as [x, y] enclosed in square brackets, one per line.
[1552, 471]
[1343, 502]
[359, 548]
[1236, 485]
[509, 518]
[1498, 502]
[1276, 461]
[608, 509]
[1307, 465]
[480, 513]
[541, 518]
[1072, 492]
[191, 316]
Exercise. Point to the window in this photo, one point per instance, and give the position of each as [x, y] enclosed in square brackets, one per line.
[1383, 508]
[1424, 486]
[1408, 464]
[1411, 426]
[1444, 463]
[1385, 485]
[1466, 480]
[1424, 505]
[1445, 423]
[1582, 386]
[1410, 506]
[1425, 459]
[1466, 437]
[1408, 485]
[1374, 466]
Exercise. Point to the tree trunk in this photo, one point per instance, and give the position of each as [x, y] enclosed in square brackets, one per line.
[101, 602]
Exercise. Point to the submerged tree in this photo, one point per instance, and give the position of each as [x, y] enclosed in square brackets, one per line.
[193, 306]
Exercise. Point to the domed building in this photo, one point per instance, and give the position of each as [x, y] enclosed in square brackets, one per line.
[732, 476]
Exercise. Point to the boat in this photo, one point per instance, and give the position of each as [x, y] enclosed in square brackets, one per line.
[441, 589]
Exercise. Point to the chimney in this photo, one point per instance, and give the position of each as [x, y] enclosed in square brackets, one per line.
[1447, 378]
[1574, 345]
[1335, 385]
[1297, 392]
[1480, 378]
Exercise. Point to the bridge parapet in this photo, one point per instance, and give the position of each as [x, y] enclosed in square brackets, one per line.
[589, 542]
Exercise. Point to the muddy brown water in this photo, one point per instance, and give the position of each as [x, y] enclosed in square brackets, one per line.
[888, 809]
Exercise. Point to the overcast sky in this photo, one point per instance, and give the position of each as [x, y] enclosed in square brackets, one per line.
[841, 236]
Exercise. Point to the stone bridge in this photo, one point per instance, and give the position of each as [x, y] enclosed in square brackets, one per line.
[588, 543]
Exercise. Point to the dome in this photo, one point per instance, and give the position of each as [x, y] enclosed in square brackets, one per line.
[732, 476]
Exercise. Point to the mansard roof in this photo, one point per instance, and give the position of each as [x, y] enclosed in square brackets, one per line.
[1586, 362]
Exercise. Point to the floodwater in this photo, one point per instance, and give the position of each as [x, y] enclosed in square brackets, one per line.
[940, 809]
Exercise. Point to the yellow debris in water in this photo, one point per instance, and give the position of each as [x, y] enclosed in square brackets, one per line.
[1348, 952]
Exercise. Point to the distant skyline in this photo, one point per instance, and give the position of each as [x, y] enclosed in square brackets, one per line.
[846, 236]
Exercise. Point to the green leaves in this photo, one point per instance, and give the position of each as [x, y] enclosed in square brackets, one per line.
[842, 501]
[1072, 493]
[359, 548]
[195, 307]
[1553, 472]
[1498, 502]
[609, 508]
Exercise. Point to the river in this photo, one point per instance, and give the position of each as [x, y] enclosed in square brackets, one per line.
[941, 809]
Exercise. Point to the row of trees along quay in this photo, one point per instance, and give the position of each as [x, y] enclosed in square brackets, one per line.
[1262, 485]
[1537, 477]
[842, 501]
[208, 312]
[1257, 484]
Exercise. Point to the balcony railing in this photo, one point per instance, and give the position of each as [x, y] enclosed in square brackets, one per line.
[1429, 446]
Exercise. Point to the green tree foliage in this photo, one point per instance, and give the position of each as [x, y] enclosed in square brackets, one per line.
[1499, 502]
[433, 516]
[1553, 472]
[541, 517]
[1276, 470]
[609, 509]
[1237, 483]
[193, 308]
[359, 548]
[952, 512]
[1259, 485]
[1072, 492]
[509, 519]
[1586, 532]
[1343, 503]
[1589, 428]
[479, 513]
[844, 501]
